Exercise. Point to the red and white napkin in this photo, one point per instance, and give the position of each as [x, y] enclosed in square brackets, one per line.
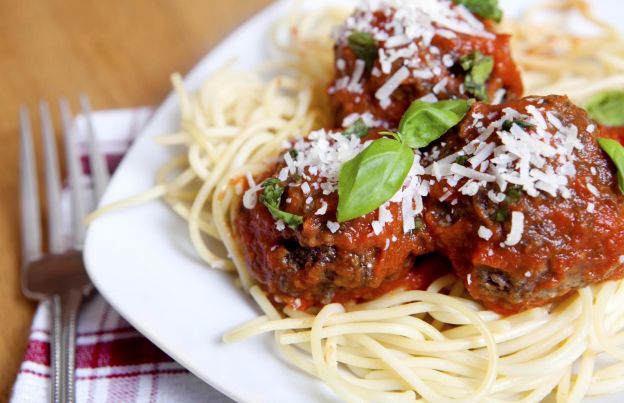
[114, 362]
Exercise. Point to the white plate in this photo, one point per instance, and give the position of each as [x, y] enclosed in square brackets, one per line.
[142, 262]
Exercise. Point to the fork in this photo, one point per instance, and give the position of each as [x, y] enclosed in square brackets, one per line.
[58, 274]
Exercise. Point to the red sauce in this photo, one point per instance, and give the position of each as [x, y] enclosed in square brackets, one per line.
[613, 132]
[424, 272]
[505, 75]
[313, 266]
[564, 246]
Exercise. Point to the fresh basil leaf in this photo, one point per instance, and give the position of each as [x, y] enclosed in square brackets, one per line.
[607, 108]
[372, 177]
[395, 135]
[426, 122]
[357, 129]
[271, 197]
[508, 124]
[478, 69]
[365, 46]
[616, 152]
[485, 8]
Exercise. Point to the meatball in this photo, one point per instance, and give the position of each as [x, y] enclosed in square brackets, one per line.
[385, 59]
[318, 260]
[526, 205]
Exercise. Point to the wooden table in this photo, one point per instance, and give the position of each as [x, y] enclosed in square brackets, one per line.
[119, 52]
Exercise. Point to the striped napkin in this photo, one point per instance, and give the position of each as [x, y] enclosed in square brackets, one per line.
[114, 362]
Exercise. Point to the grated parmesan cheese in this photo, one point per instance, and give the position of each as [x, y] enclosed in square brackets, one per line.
[485, 233]
[386, 90]
[323, 209]
[517, 228]
[333, 226]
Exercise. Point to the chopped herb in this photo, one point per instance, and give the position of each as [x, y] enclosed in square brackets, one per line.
[293, 153]
[501, 215]
[418, 223]
[478, 68]
[462, 160]
[607, 108]
[484, 8]
[365, 46]
[514, 193]
[508, 124]
[615, 151]
[357, 129]
[271, 197]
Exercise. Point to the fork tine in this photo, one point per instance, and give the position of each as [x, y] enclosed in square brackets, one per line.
[30, 214]
[99, 169]
[52, 181]
[74, 169]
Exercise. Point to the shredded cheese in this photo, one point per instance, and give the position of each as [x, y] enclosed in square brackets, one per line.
[517, 228]
[485, 233]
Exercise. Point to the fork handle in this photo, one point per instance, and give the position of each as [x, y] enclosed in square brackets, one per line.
[63, 345]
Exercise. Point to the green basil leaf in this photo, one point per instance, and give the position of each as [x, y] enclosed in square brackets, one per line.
[271, 197]
[607, 108]
[426, 122]
[358, 129]
[372, 177]
[616, 152]
[479, 68]
[508, 124]
[395, 135]
[365, 46]
[485, 8]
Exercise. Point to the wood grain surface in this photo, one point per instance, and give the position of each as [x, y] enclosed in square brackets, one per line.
[121, 53]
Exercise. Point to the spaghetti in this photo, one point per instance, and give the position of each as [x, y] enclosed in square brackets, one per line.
[438, 344]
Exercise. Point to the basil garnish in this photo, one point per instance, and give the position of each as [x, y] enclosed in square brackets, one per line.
[271, 197]
[616, 152]
[484, 8]
[378, 172]
[607, 108]
[426, 122]
[478, 69]
[508, 124]
[364, 45]
[372, 177]
[358, 129]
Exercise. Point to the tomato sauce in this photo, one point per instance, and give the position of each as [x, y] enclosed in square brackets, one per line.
[612, 132]
[504, 76]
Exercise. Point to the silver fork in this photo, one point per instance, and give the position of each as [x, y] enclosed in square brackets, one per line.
[58, 274]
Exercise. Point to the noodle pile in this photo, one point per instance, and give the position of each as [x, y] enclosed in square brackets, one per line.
[555, 59]
[437, 345]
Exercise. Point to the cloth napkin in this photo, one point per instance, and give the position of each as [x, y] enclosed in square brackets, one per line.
[114, 362]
